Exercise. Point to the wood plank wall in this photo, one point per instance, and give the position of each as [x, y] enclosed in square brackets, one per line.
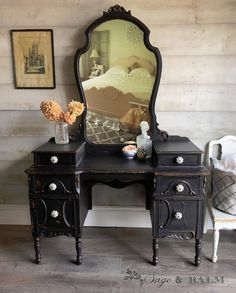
[197, 97]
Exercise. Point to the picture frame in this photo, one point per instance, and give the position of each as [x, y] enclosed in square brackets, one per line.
[33, 58]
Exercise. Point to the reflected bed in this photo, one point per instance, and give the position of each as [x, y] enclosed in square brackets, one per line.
[111, 93]
[119, 99]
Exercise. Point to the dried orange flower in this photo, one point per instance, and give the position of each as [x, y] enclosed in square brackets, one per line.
[51, 110]
[69, 118]
[76, 108]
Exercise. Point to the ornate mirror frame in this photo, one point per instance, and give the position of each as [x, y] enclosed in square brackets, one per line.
[118, 12]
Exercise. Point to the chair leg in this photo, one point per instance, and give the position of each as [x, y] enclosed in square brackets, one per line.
[215, 245]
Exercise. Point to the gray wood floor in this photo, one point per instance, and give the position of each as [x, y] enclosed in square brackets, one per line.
[115, 260]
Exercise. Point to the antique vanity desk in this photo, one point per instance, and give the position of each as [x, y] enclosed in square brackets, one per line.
[62, 177]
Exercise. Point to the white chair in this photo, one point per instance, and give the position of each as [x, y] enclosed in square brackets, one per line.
[219, 149]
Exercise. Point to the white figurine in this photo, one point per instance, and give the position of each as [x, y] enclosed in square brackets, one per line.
[143, 140]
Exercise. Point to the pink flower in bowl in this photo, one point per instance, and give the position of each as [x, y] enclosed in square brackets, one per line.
[129, 151]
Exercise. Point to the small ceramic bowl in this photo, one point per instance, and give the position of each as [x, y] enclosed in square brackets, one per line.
[129, 151]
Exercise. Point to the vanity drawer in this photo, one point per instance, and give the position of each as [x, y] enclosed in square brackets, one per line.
[53, 185]
[176, 215]
[54, 159]
[178, 186]
[54, 213]
[179, 159]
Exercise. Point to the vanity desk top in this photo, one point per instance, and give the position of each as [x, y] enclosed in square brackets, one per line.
[114, 164]
[108, 162]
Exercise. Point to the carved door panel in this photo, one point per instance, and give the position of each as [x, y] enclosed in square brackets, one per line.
[177, 215]
[55, 214]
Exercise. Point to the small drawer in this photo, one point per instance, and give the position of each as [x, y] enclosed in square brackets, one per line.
[179, 159]
[177, 215]
[54, 214]
[178, 186]
[54, 159]
[53, 184]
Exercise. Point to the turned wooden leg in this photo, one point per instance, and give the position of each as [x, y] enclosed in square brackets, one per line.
[78, 246]
[198, 247]
[155, 251]
[215, 245]
[37, 250]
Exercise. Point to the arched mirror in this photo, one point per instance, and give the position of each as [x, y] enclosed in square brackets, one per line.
[118, 74]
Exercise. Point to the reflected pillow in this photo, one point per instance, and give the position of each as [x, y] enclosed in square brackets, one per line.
[132, 67]
[140, 72]
[118, 69]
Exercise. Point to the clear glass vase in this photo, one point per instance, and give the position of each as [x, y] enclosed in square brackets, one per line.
[61, 132]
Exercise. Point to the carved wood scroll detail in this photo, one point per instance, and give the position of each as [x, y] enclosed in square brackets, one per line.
[181, 236]
[116, 9]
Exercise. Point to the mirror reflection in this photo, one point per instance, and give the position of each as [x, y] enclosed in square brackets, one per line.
[117, 74]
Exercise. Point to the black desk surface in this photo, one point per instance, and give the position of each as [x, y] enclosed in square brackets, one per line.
[174, 147]
[114, 163]
[52, 147]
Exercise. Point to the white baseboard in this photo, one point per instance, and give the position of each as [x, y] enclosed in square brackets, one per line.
[99, 216]
[118, 216]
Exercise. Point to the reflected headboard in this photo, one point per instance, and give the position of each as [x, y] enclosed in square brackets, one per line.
[136, 62]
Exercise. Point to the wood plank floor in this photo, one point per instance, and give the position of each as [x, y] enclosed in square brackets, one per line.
[115, 260]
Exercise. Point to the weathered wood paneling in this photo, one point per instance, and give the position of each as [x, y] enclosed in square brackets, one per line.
[67, 40]
[176, 69]
[193, 124]
[30, 99]
[198, 125]
[15, 148]
[199, 69]
[200, 39]
[63, 70]
[25, 123]
[13, 172]
[192, 97]
[215, 11]
[171, 97]
[14, 193]
[69, 13]
[197, 39]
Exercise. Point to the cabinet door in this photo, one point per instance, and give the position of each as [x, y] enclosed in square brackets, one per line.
[54, 214]
[176, 215]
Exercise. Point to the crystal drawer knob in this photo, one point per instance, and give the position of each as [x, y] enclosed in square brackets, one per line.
[52, 186]
[178, 215]
[179, 160]
[54, 214]
[179, 188]
[54, 159]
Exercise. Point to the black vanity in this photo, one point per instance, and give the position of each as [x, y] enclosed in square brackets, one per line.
[118, 73]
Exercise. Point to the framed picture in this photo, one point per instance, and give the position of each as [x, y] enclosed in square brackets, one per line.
[33, 59]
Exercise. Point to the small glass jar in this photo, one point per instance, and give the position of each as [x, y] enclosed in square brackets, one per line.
[61, 132]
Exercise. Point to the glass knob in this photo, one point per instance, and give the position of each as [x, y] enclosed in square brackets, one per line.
[54, 159]
[178, 215]
[52, 186]
[179, 188]
[179, 160]
[54, 214]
